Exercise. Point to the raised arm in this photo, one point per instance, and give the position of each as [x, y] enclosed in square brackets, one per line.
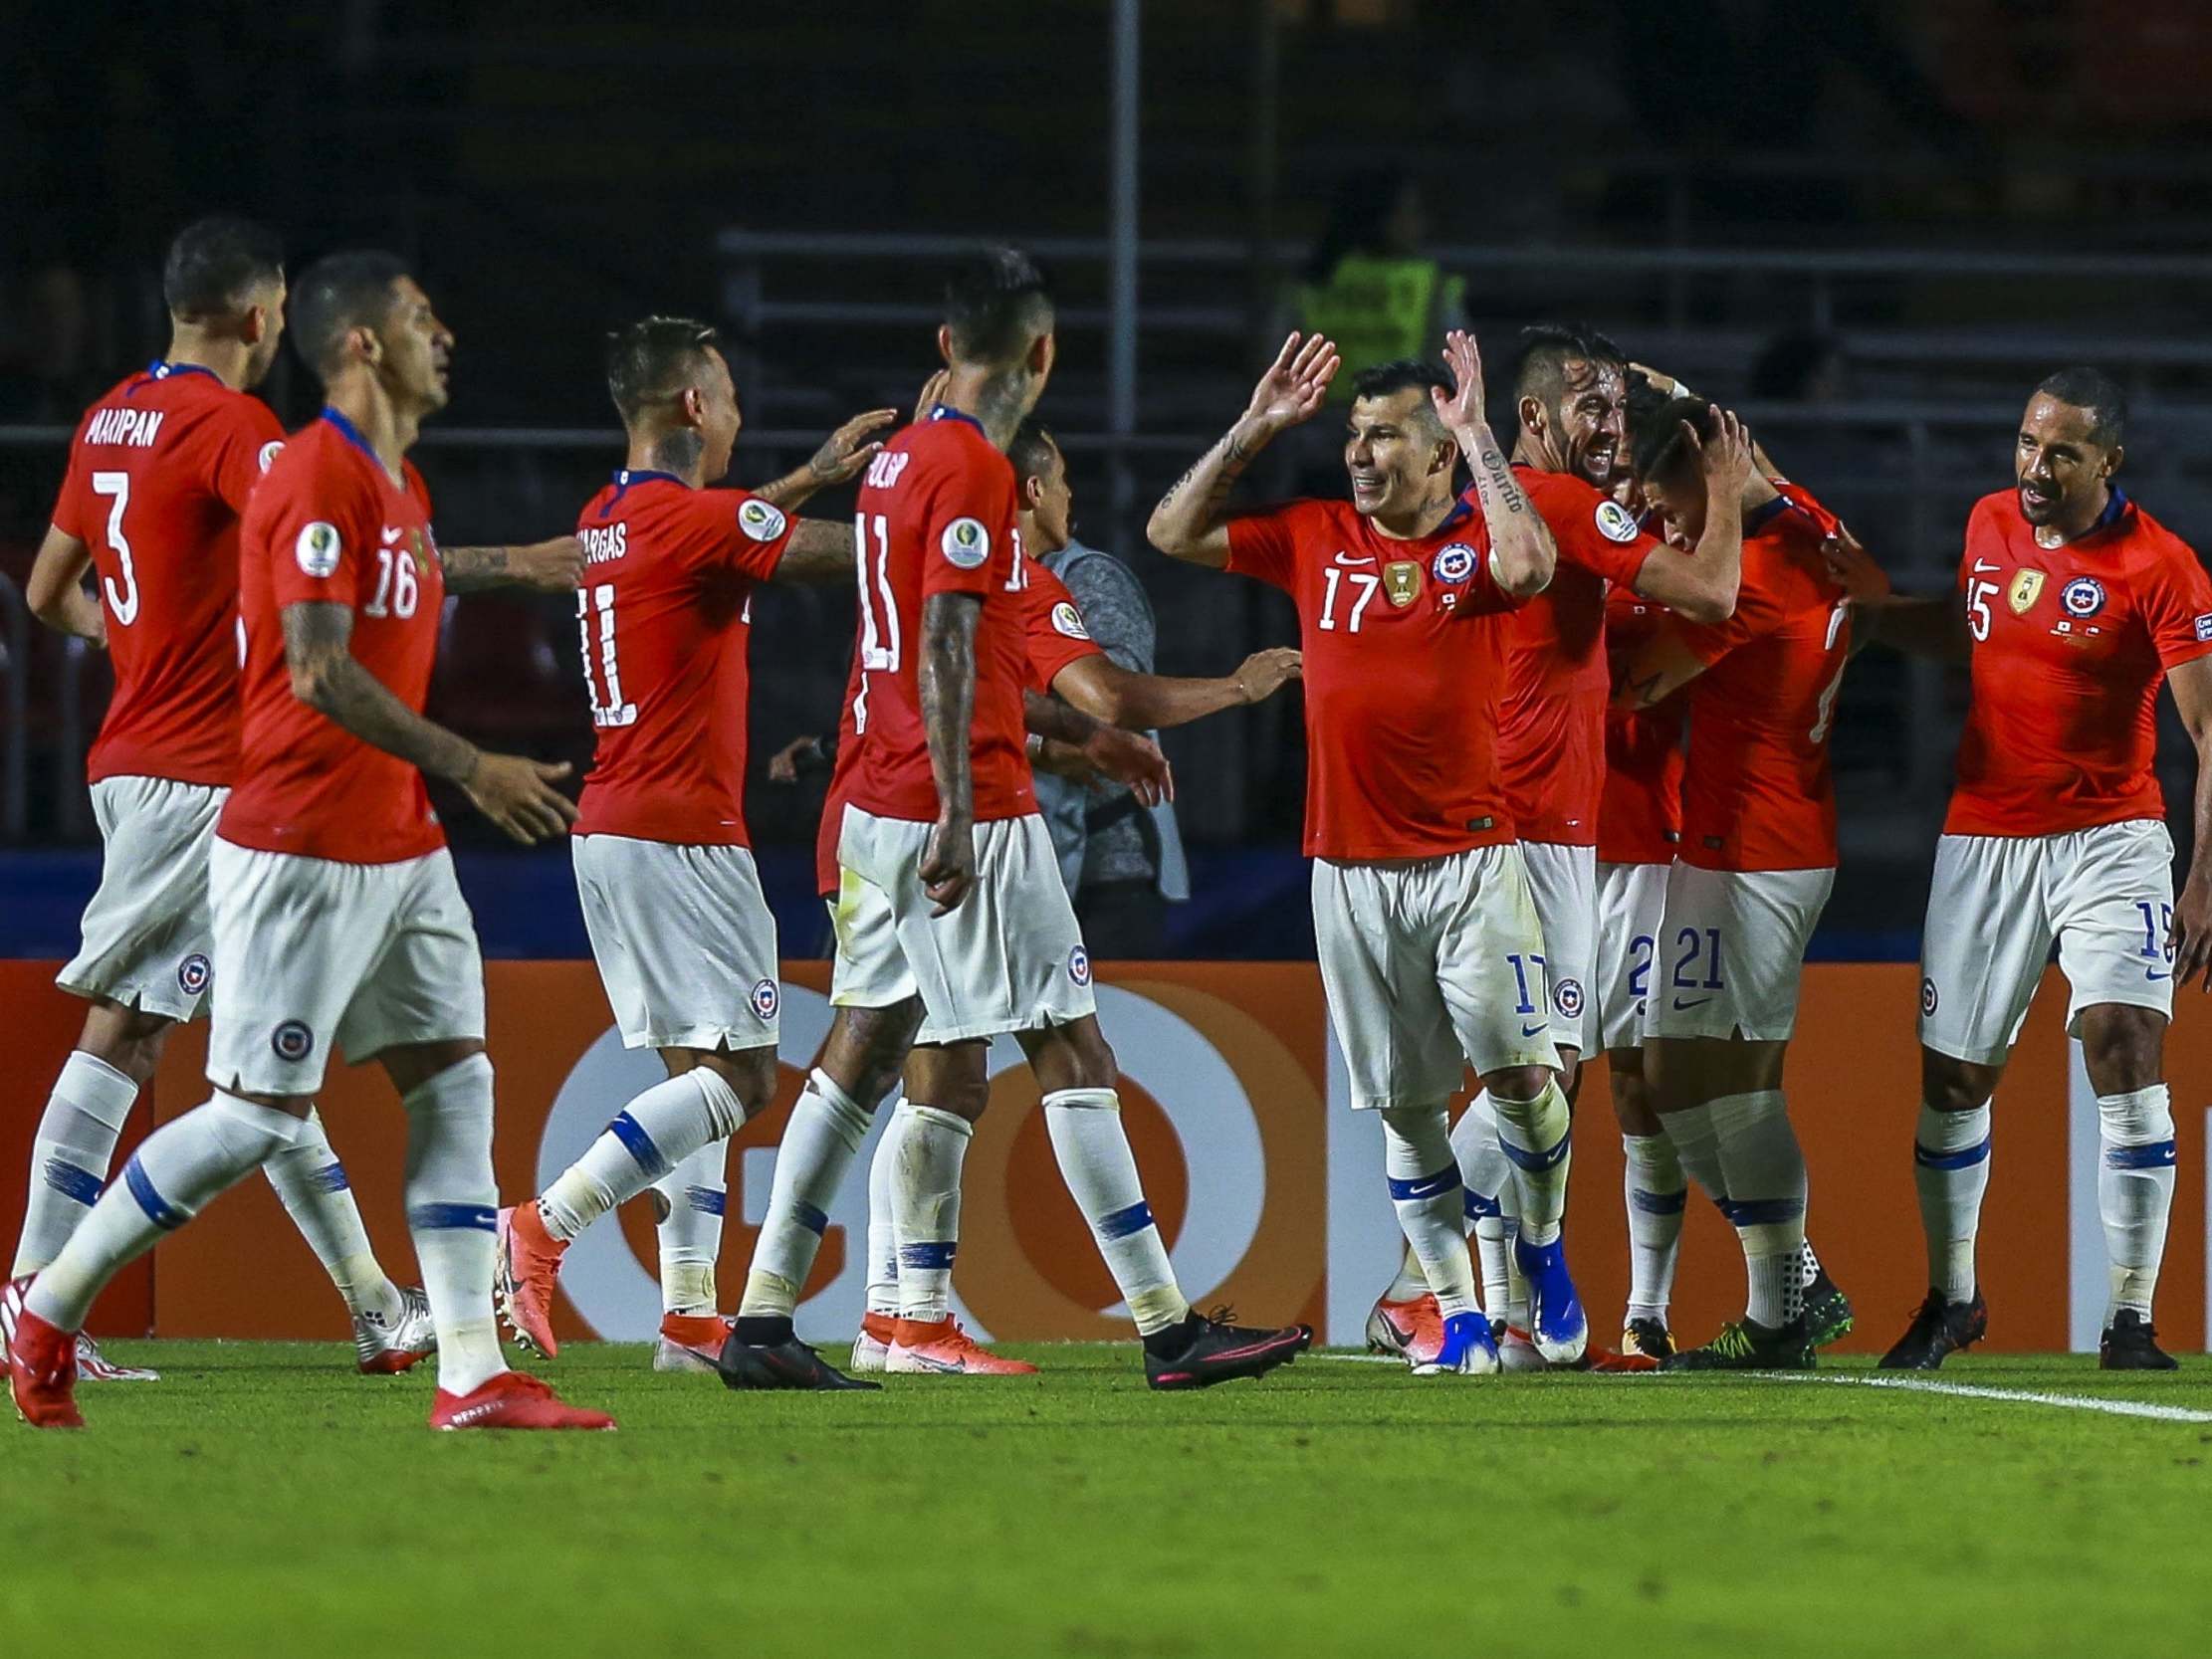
[554, 566]
[1522, 553]
[842, 454]
[947, 679]
[1191, 521]
[2192, 912]
[56, 589]
[513, 792]
[1703, 586]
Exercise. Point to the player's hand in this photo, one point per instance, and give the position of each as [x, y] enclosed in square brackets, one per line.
[932, 393]
[1130, 758]
[949, 862]
[1725, 457]
[1265, 673]
[517, 794]
[845, 450]
[554, 566]
[1295, 384]
[2191, 940]
[1863, 580]
[1660, 382]
[784, 762]
[1463, 409]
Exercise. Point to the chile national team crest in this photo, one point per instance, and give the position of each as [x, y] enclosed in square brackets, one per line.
[192, 975]
[1079, 965]
[1453, 565]
[2082, 596]
[768, 997]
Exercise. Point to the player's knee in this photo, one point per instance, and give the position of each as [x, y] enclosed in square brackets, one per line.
[2122, 1047]
[1950, 1085]
[1518, 1083]
[1072, 1056]
[750, 1073]
[129, 1039]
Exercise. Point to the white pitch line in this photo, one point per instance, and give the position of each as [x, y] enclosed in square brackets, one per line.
[1360, 1358]
[2023, 1396]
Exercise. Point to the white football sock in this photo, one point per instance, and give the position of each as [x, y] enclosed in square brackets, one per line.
[697, 1192]
[1765, 1175]
[1492, 1209]
[76, 1137]
[1951, 1166]
[1426, 1192]
[825, 1135]
[657, 1131]
[174, 1172]
[1697, 1150]
[453, 1216]
[1411, 1282]
[1654, 1192]
[1101, 1171]
[925, 1200]
[1534, 1135]
[883, 1231]
[2135, 1192]
[312, 1184]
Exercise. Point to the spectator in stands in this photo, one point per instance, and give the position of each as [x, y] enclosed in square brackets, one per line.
[1369, 287]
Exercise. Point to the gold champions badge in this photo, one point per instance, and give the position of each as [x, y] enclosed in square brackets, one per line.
[2026, 584]
[1402, 581]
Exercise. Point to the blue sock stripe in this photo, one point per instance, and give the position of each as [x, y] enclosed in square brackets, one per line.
[1480, 1209]
[331, 1177]
[639, 1145]
[708, 1200]
[1759, 1213]
[2159, 1155]
[1425, 1186]
[1122, 1223]
[481, 1218]
[159, 1210]
[814, 1219]
[1536, 1162]
[928, 1255]
[1963, 1160]
[1660, 1203]
[71, 1180]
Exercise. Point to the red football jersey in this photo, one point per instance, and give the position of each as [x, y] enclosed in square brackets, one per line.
[158, 476]
[1053, 635]
[663, 617]
[1640, 815]
[2068, 646]
[1402, 677]
[328, 524]
[1551, 725]
[1756, 792]
[937, 515]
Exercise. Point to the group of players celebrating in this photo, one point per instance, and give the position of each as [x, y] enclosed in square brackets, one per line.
[1568, 787]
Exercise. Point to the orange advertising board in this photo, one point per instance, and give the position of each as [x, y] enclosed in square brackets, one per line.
[1268, 1189]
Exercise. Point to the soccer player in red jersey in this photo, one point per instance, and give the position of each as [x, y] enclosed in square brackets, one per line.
[1430, 945]
[2072, 604]
[1751, 872]
[682, 934]
[951, 921]
[336, 917]
[159, 474]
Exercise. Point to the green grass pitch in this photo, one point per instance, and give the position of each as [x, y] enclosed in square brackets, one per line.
[262, 1498]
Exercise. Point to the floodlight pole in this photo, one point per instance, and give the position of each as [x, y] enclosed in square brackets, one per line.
[1121, 286]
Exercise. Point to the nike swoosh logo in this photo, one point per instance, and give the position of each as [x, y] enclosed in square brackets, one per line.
[1982, 565]
[2154, 973]
[1342, 560]
[392, 534]
[1531, 1030]
[1699, 1003]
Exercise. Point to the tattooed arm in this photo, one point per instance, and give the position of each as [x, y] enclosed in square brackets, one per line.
[842, 454]
[1192, 520]
[819, 551]
[1522, 553]
[948, 687]
[513, 792]
[554, 566]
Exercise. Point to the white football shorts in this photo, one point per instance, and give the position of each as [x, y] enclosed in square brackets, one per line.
[1997, 903]
[311, 955]
[148, 935]
[684, 940]
[1432, 965]
[1563, 881]
[1632, 898]
[1730, 951]
[1010, 958]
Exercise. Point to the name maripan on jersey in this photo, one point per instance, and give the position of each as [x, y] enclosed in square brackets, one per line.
[137, 428]
[603, 543]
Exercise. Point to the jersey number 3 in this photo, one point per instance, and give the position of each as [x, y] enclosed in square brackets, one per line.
[123, 605]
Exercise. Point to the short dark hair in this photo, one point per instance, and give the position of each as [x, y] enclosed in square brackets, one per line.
[996, 303]
[337, 292]
[1656, 444]
[1546, 348]
[1382, 379]
[2097, 394]
[1031, 450]
[214, 263]
[650, 360]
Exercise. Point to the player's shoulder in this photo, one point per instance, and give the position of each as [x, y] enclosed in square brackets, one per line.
[1996, 513]
[1573, 506]
[2147, 541]
[320, 462]
[951, 442]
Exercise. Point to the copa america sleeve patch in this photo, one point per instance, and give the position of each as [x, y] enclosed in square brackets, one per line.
[760, 520]
[1615, 523]
[270, 451]
[1069, 621]
[2204, 627]
[964, 544]
[317, 550]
